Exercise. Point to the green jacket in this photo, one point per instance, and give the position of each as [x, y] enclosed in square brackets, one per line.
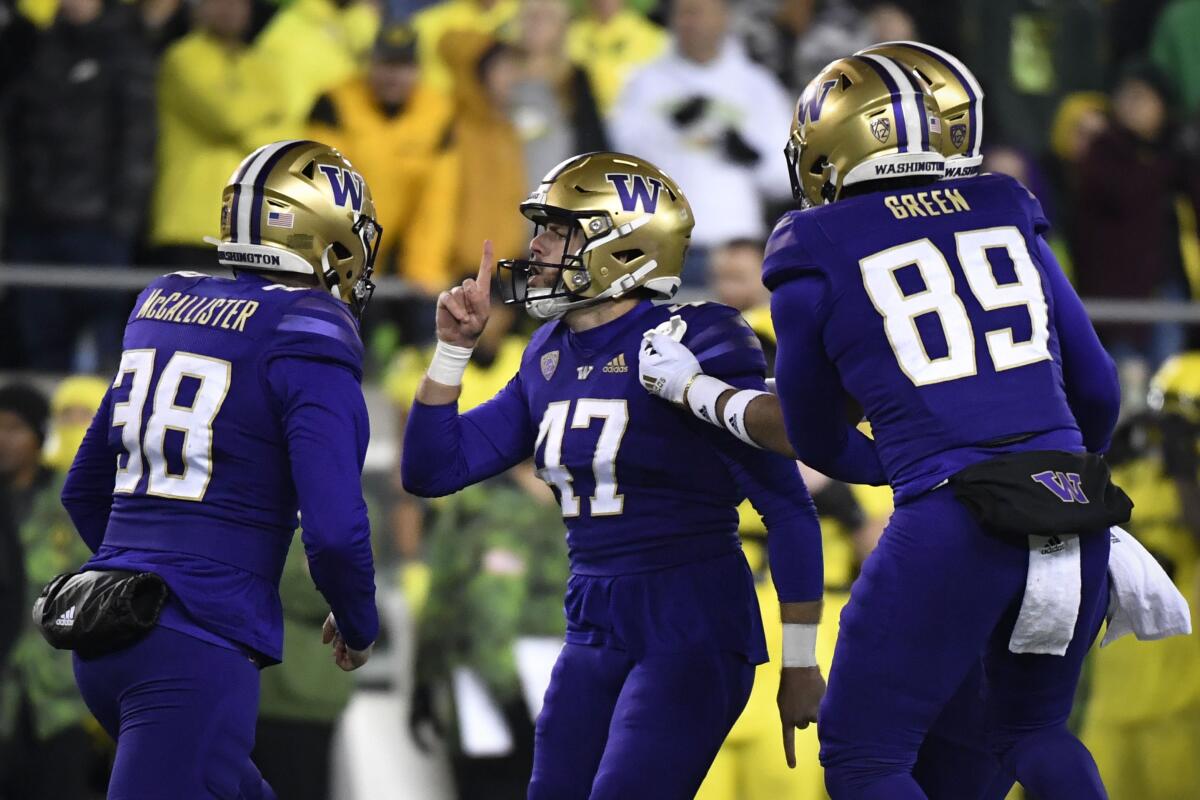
[499, 568]
[307, 685]
[36, 672]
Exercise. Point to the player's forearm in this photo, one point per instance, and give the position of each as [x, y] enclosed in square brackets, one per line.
[432, 464]
[801, 613]
[794, 551]
[343, 571]
[432, 393]
[763, 422]
[445, 451]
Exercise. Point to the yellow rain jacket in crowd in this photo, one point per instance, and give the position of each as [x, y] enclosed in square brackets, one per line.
[434, 22]
[490, 163]
[316, 46]
[1142, 719]
[611, 51]
[406, 161]
[215, 105]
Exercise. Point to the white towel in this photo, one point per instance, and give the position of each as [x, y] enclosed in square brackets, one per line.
[1050, 607]
[1142, 599]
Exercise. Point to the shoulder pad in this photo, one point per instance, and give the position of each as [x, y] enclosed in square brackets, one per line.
[165, 284]
[1030, 205]
[721, 340]
[787, 252]
[319, 326]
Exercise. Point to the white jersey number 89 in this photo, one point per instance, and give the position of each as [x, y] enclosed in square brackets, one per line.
[900, 311]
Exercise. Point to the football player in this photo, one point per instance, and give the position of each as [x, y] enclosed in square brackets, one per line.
[889, 314]
[954, 762]
[663, 628]
[237, 399]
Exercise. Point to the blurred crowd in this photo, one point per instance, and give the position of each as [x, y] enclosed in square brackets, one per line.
[122, 120]
[120, 123]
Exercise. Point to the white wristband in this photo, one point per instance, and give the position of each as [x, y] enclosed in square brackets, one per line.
[449, 363]
[701, 395]
[734, 416]
[799, 645]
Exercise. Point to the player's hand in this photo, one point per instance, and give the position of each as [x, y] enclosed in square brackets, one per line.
[463, 311]
[344, 656]
[800, 693]
[665, 366]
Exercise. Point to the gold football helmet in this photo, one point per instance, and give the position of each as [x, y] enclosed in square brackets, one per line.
[959, 97]
[863, 118]
[298, 207]
[1175, 388]
[634, 225]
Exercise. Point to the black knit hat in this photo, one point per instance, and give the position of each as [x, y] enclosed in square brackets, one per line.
[27, 403]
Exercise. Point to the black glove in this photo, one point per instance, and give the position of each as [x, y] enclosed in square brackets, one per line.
[689, 111]
[738, 150]
[1180, 459]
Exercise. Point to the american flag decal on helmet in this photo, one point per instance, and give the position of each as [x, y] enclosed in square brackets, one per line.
[281, 219]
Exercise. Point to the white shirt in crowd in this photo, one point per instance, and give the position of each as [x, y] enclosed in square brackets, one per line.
[727, 197]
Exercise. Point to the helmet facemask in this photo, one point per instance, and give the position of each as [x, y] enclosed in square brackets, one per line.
[550, 302]
[370, 233]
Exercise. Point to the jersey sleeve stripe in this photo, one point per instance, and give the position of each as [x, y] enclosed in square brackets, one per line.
[326, 305]
[718, 350]
[729, 327]
[308, 324]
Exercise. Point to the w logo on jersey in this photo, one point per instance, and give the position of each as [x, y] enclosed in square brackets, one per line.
[635, 190]
[1066, 486]
[810, 108]
[347, 186]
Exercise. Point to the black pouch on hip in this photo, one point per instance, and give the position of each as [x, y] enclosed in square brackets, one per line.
[1042, 493]
[97, 612]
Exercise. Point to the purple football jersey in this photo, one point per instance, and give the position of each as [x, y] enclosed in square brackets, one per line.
[934, 308]
[232, 394]
[643, 486]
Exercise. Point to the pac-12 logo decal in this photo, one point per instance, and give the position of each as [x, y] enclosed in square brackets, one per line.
[881, 129]
[810, 107]
[635, 190]
[958, 135]
[549, 364]
[347, 186]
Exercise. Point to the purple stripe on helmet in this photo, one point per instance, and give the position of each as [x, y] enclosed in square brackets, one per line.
[897, 103]
[972, 98]
[916, 87]
[237, 194]
[260, 183]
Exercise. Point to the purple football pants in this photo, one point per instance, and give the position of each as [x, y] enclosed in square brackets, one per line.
[182, 712]
[936, 594]
[617, 728]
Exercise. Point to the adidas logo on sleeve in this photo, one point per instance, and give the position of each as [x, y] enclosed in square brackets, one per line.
[617, 364]
[66, 619]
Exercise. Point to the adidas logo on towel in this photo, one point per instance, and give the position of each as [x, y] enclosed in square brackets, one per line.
[616, 365]
[66, 619]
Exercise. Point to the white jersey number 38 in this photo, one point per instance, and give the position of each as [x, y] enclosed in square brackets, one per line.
[900, 311]
[193, 421]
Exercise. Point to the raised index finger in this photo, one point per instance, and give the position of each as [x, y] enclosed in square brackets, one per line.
[487, 265]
